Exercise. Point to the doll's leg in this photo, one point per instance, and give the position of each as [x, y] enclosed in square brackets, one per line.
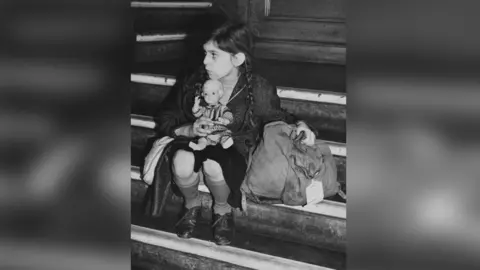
[212, 139]
[200, 145]
[226, 141]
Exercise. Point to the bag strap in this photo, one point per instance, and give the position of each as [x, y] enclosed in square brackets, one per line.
[340, 192]
[300, 137]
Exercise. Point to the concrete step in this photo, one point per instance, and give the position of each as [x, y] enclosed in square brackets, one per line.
[320, 96]
[164, 250]
[170, 4]
[321, 226]
[160, 36]
[324, 110]
[143, 137]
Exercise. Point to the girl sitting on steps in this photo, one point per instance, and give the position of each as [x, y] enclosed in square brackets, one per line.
[253, 102]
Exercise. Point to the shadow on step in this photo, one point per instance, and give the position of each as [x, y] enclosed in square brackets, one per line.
[316, 230]
[245, 238]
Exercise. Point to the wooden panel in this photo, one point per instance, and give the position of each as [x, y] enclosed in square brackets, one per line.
[300, 31]
[304, 52]
[308, 9]
[229, 8]
[176, 20]
[304, 30]
[303, 74]
[243, 10]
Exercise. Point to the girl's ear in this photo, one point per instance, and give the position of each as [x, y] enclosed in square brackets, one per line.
[238, 59]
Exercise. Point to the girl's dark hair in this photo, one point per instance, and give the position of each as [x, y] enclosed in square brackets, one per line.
[236, 38]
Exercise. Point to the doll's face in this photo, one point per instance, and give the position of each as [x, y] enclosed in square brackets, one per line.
[212, 92]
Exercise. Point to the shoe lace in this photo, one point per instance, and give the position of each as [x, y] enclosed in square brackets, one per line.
[188, 216]
[222, 221]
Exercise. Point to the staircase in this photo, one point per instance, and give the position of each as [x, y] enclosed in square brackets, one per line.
[168, 41]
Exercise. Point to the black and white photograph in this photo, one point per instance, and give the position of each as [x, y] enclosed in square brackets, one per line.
[238, 129]
[213, 134]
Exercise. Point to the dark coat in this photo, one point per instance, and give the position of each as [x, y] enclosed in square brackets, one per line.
[177, 111]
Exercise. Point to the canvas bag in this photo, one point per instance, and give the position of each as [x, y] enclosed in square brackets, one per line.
[284, 170]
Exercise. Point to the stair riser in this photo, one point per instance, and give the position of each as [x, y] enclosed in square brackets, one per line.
[291, 225]
[243, 241]
[146, 100]
[142, 138]
[159, 51]
[184, 20]
[154, 257]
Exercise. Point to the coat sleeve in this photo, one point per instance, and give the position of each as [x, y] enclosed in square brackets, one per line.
[174, 112]
[267, 103]
[268, 107]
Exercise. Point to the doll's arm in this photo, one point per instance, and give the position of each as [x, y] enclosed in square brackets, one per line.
[226, 118]
[200, 111]
[196, 109]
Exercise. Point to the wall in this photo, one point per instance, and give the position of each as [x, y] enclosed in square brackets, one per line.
[300, 30]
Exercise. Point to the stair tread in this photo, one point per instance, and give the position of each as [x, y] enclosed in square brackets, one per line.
[325, 77]
[248, 241]
[164, 32]
[170, 1]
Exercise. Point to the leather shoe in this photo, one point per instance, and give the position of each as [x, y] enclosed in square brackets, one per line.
[223, 229]
[186, 224]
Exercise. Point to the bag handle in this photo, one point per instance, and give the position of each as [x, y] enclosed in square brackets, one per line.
[300, 137]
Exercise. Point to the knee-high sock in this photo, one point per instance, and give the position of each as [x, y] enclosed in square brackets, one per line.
[220, 192]
[189, 191]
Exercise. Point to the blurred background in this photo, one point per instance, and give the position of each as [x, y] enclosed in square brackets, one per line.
[413, 135]
[63, 135]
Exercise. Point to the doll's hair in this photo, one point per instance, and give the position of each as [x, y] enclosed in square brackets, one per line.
[210, 81]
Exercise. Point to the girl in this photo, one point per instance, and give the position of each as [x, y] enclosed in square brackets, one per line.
[253, 102]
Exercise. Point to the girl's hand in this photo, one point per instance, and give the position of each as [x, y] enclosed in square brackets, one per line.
[309, 135]
[222, 121]
[201, 127]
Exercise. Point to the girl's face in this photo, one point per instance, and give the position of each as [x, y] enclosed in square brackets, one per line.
[218, 63]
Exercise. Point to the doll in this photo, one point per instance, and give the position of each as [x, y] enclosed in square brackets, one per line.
[212, 91]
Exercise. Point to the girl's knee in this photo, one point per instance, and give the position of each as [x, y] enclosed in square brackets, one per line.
[212, 170]
[183, 162]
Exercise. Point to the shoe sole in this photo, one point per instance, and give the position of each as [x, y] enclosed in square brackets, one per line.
[223, 243]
